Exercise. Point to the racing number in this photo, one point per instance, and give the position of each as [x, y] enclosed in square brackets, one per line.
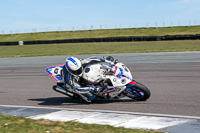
[56, 71]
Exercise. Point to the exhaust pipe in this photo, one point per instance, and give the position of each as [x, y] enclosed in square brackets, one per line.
[62, 90]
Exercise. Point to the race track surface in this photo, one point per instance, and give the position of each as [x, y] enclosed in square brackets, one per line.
[173, 79]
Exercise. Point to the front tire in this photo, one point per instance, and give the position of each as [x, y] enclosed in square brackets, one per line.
[138, 92]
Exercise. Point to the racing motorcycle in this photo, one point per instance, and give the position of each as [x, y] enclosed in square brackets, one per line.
[106, 80]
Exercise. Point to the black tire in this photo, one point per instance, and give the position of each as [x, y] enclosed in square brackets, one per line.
[141, 89]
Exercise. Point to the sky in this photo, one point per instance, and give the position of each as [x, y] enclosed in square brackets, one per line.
[19, 16]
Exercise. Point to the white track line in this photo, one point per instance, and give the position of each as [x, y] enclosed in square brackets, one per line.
[107, 111]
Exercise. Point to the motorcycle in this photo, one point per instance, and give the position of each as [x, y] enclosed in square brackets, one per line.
[106, 80]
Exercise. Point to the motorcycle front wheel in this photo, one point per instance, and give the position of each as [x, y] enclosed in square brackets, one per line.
[138, 92]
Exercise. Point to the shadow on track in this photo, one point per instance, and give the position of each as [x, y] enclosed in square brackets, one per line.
[72, 101]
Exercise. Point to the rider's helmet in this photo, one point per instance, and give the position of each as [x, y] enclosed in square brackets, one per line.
[74, 66]
[110, 58]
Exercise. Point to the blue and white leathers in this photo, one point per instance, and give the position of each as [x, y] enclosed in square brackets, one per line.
[71, 77]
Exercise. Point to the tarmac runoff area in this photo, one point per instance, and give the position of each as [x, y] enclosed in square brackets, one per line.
[162, 122]
[134, 120]
[128, 58]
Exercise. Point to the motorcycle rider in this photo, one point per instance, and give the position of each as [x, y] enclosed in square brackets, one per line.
[72, 72]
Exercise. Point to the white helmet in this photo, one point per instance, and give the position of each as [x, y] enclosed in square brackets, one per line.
[74, 66]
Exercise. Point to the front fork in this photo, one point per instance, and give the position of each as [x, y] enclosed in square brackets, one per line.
[129, 89]
[132, 91]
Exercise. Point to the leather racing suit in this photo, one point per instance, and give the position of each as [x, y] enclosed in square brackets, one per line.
[73, 84]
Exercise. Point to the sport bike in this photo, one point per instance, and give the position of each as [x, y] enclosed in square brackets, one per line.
[105, 80]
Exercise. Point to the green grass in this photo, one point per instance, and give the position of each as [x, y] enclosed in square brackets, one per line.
[99, 48]
[13, 124]
[102, 33]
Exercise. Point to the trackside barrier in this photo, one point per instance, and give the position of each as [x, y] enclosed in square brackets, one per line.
[107, 39]
[8, 43]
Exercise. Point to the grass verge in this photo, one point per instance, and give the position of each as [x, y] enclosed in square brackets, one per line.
[101, 33]
[99, 48]
[13, 124]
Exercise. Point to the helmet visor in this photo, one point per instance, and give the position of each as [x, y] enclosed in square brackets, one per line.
[77, 72]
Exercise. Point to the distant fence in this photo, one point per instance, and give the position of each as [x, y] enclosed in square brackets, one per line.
[107, 39]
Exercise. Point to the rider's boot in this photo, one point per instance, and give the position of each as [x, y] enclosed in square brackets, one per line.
[90, 98]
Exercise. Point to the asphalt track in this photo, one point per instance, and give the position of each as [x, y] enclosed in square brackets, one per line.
[173, 79]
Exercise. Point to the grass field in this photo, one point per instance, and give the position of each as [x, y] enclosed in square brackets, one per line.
[13, 124]
[99, 48]
[102, 33]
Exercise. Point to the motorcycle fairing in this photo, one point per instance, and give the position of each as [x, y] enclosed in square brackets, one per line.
[133, 82]
[54, 72]
[109, 90]
[120, 73]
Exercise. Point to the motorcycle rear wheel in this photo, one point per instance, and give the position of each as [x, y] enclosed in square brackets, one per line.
[139, 92]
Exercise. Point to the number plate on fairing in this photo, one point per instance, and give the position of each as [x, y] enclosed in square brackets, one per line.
[56, 72]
